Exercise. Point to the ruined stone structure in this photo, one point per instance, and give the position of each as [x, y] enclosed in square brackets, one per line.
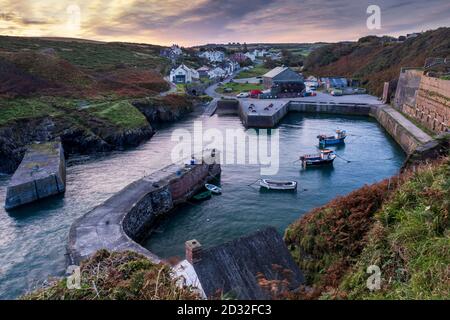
[42, 173]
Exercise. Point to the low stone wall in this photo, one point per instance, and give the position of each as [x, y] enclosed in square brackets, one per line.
[41, 174]
[125, 219]
[331, 108]
[405, 133]
[227, 106]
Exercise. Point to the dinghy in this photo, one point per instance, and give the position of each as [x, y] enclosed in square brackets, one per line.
[205, 195]
[214, 189]
[278, 185]
[324, 157]
[338, 138]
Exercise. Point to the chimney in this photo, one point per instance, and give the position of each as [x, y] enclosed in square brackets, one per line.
[193, 251]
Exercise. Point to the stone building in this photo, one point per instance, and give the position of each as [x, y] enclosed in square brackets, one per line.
[283, 81]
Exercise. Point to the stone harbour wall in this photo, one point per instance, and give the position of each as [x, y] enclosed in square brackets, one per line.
[432, 107]
[41, 174]
[126, 219]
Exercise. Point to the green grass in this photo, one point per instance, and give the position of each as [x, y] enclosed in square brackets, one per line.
[121, 113]
[181, 88]
[239, 87]
[255, 72]
[17, 109]
[411, 241]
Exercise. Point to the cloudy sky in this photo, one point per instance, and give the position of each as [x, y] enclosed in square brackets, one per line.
[190, 22]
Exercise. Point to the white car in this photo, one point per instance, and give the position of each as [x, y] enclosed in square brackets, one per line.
[243, 95]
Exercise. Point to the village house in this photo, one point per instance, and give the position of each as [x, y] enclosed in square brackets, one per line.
[240, 268]
[217, 73]
[251, 56]
[335, 82]
[230, 67]
[172, 53]
[283, 81]
[239, 57]
[260, 53]
[203, 72]
[183, 74]
[213, 56]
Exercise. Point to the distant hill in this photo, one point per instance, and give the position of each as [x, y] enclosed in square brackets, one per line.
[375, 60]
[73, 67]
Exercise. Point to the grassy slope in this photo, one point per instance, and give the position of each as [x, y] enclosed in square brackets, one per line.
[400, 224]
[374, 62]
[239, 87]
[255, 72]
[94, 56]
[112, 276]
[63, 75]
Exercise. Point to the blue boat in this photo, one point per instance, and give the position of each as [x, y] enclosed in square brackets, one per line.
[338, 138]
[323, 158]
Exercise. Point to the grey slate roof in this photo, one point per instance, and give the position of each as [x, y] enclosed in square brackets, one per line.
[283, 74]
[232, 268]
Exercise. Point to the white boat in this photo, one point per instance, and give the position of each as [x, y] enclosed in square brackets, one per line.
[278, 185]
[214, 189]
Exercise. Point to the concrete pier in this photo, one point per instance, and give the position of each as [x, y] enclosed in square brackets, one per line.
[42, 173]
[126, 218]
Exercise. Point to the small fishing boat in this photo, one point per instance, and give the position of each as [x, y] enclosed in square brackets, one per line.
[278, 185]
[323, 158]
[338, 138]
[205, 195]
[214, 189]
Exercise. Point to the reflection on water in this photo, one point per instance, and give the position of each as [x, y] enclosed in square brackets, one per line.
[33, 238]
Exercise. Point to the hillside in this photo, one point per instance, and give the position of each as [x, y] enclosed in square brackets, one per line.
[82, 92]
[400, 224]
[376, 60]
[79, 69]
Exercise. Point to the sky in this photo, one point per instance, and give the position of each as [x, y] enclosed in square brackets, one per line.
[196, 22]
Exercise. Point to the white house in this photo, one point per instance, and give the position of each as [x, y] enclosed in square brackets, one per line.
[183, 74]
[217, 73]
[231, 66]
[259, 53]
[213, 56]
[251, 56]
[176, 50]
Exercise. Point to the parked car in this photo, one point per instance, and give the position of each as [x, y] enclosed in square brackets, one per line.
[243, 95]
[337, 92]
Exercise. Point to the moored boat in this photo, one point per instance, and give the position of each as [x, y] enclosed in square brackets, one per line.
[338, 138]
[214, 189]
[323, 158]
[278, 185]
[205, 195]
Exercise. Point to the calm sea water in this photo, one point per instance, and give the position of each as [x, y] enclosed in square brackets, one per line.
[33, 239]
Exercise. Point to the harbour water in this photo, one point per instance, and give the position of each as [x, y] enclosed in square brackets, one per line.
[33, 238]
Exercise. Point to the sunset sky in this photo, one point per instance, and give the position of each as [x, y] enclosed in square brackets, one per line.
[192, 22]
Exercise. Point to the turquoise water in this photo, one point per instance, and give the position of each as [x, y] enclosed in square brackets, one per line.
[33, 239]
